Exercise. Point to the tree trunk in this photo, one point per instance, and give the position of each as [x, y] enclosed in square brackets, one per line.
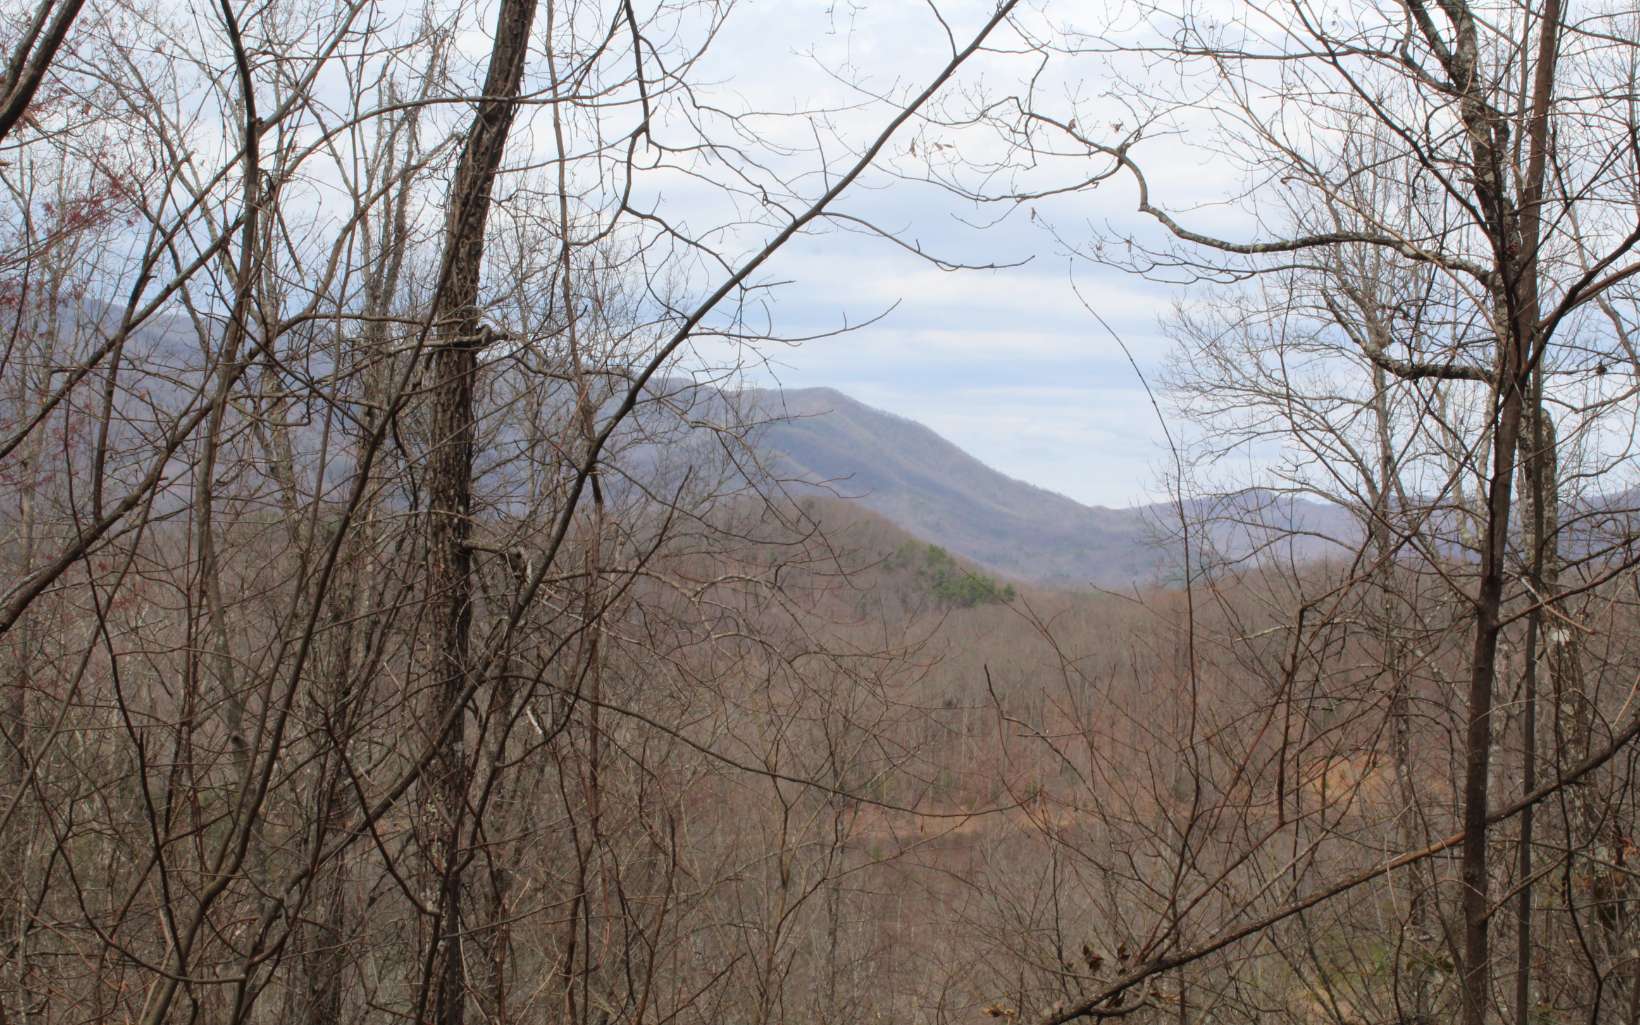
[458, 339]
[1514, 229]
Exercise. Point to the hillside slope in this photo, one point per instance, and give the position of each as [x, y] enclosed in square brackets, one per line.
[933, 489]
[821, 438]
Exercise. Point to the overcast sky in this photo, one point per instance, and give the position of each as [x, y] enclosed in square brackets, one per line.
[1005, 363]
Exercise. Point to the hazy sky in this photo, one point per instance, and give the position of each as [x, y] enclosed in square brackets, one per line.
[1006, 363]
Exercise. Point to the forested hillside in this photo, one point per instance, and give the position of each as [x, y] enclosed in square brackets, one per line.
[415, 607]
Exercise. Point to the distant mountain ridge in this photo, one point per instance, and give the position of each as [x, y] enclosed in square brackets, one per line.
[904, 471]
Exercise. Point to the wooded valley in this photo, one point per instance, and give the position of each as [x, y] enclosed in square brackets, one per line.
[413, 611]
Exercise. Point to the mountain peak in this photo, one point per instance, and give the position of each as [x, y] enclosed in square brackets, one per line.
[822, 441]
[903, 470]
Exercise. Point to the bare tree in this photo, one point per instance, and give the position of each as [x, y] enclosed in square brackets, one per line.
[1435, 199]
[371, 639]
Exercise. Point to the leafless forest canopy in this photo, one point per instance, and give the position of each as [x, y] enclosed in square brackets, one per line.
[400, 622]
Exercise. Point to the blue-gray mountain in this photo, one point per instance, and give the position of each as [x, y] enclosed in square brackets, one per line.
[817, 439]
[691, 445]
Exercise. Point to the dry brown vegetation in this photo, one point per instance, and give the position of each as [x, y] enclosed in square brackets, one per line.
[388, 633]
